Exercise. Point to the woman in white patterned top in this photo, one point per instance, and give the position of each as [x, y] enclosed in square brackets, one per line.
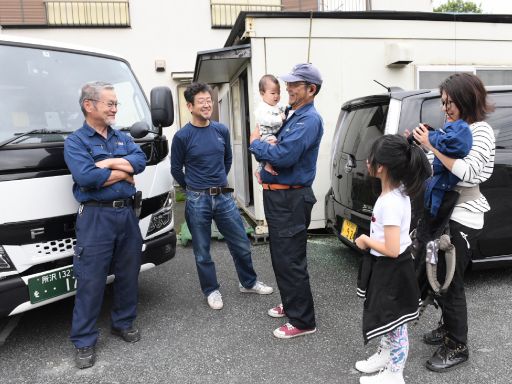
[463, 96]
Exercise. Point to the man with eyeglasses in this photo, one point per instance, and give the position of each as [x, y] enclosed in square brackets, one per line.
[200, 161]
[288, 198]
[102, 161]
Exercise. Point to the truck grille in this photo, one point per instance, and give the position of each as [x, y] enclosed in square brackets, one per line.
[56, 246]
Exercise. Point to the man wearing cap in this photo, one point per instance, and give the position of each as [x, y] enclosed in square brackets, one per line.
[288, 198]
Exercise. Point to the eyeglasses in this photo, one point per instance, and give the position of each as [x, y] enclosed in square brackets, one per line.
[109, 104]
[446, 103]
[204, 101]
[296, 84]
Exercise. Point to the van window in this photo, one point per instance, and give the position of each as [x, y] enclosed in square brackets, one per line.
[500, 121]
[431, 113]
[363, 128]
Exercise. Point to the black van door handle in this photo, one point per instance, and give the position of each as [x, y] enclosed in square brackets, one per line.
[350, 164]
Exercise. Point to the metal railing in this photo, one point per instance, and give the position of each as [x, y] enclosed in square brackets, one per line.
[344, 5]
[326, 5]
[224, 15]
[65, 13]
[22, 13]
[88, 13]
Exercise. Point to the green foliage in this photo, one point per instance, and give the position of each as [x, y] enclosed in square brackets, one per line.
[459, 6]
[179, 196]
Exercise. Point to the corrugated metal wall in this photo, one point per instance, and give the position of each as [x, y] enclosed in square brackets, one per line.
[22, 12]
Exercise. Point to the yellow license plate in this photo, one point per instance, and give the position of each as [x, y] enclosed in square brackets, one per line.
[348, 230]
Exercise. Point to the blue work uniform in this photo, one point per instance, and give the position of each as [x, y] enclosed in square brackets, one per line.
[108, 237]
[288, 211]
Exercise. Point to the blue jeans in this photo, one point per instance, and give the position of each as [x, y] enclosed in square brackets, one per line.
[200, 210]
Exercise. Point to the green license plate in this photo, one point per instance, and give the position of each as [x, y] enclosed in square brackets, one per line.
[51, 284]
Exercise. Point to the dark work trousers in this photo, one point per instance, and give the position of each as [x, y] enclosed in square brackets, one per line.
[107, 239]
[453, 302]
[288, 214]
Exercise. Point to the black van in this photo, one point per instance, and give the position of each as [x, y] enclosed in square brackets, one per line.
[349, 202]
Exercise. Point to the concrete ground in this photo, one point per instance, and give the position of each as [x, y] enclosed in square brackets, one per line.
[184, 341]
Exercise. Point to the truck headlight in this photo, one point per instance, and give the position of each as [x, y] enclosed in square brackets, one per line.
[5, 262]
[162, 217]
[160, 220]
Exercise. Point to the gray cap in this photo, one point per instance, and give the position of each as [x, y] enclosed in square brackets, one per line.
[303, 72]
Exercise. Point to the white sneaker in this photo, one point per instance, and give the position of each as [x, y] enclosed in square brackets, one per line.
[385, 376]
[259, 288]
[215, 300]
[375, 362]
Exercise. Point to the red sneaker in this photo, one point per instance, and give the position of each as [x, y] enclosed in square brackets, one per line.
[288, 331]
[277, 311]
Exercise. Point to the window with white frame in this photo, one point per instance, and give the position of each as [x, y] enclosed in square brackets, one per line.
[430, 76]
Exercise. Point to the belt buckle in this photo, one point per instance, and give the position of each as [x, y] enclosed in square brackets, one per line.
[214, 191]
[118, 203]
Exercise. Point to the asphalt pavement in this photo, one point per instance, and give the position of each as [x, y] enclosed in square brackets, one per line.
[184, 341]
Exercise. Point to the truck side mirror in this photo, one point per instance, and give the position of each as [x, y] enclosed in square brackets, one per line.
[139, 129]
[162, 107]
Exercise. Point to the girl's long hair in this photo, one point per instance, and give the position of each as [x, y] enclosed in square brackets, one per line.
[406, 163]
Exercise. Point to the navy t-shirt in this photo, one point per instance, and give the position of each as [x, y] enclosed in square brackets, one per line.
[201, 156]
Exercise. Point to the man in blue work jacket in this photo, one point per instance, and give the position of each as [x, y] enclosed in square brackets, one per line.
[102, 162]
[288, 198]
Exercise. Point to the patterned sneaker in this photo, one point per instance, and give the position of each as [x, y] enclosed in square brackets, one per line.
[259, 288]
[288, 331]
[277, 311]
[215, 300]
[375, 362]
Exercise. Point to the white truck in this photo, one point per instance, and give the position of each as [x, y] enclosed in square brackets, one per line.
[39, 89]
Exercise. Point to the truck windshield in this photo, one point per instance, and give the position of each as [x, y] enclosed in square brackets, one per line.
[40, 88]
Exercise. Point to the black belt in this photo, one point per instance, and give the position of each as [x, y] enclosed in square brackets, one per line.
[212, 191]
[121, 203]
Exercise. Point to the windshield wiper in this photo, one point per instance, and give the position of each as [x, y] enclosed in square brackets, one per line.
[33, 132]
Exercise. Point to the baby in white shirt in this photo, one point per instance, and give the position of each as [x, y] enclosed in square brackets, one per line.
[269, 114]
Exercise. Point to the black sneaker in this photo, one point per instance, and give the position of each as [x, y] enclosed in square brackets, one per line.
[130, 335]
[85, 357]
[448, 356]
[436, 336]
